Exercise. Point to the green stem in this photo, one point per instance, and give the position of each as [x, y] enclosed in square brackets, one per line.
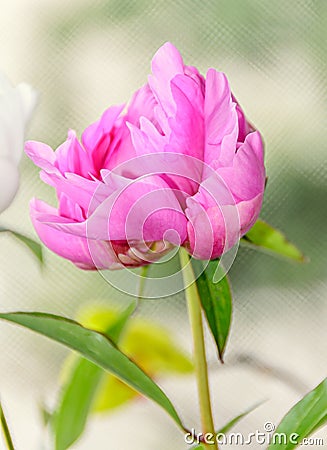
[143, 278]
[141, 287]
[200, 360]
[5, 429]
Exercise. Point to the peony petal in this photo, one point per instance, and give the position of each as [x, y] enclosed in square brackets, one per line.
[72, 247]
[121, 148]
[166, 64]
[246, 177]
[187, 127]
[42, 155]
[141, 105]
[143, 211]
[147, 139]
[71, 157]
[244, 127]
[94, 133]
[214, 223]
[211, 232]
[221, 119]
[78, 189]
[70, 209]
[249, 212]
[107, 140]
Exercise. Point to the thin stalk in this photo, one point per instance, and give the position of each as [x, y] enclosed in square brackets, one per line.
[143, 278]
[5, 429]
[200, 360]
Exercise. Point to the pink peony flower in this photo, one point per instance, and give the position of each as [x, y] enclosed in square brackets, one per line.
[182, 166]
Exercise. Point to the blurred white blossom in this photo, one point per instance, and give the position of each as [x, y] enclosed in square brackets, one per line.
[16, 107]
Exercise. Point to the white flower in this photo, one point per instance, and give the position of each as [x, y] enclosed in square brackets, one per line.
[16, 107]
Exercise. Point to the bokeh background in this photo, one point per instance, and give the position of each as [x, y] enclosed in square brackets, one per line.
[85, 55]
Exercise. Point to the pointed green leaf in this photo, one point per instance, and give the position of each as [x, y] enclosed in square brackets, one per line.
[153, 349]
[70, 419]
[263, 236]
[302, 420]
[149, 345]
[96, 347]
[35, 247]
[45, 414]
[236, 419]
[5, 430]
[216, 299]
[80, 390]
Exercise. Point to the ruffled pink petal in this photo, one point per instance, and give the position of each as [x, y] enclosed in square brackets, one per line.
[97, 138]
[72, 247]
[214, 223]
[221, 119]
[246, 177]
[146, 210]
[70, 209]
[42, 155]
[214, 231]
[72, 157]
[244, 127]
[166, 64]
[94, 133]
[142, 104]
[187, 126]
[249, 212]
[146, 139]
[121, 147]
[186, 132]
[193, 73]
[217, 218]
[80, 190]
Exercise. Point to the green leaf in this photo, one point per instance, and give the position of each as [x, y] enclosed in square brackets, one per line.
[70, 419]
[303, 419]
[263, 236]
[153, 349]
[96, 347]
[35, 247]
[148, 344]
[45, 414]
[78, 395]
[216, 299]
[5, 430]
[236, 419]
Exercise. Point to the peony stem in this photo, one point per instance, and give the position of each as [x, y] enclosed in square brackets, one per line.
[200, 360]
